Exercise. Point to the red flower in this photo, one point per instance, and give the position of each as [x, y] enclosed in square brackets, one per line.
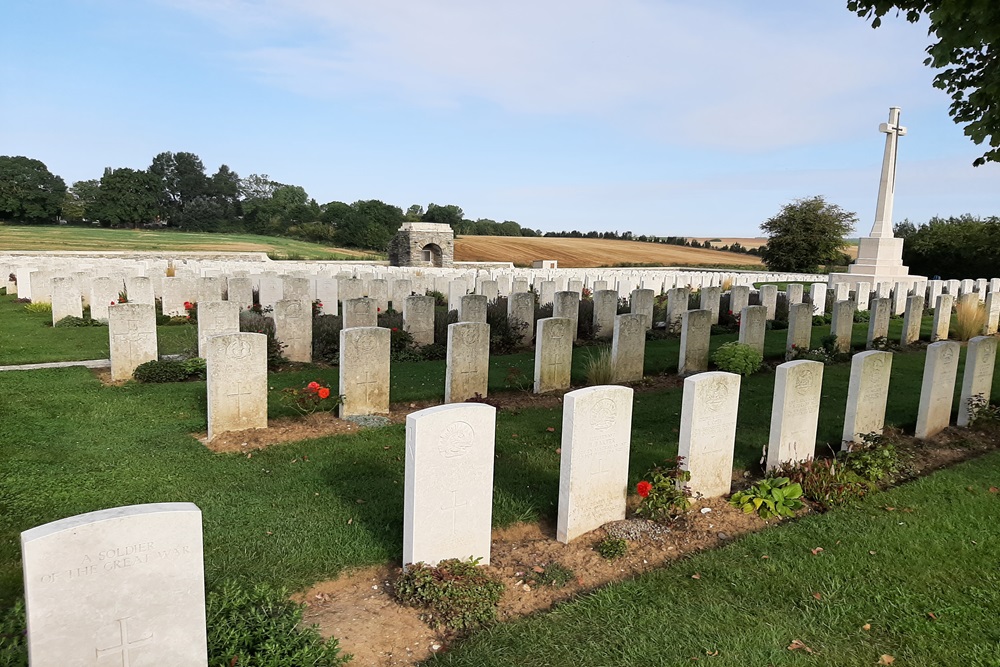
[378, 310]
[395, 329]
[113, 303]
[323, 392]
[312, 386]
[643, 488]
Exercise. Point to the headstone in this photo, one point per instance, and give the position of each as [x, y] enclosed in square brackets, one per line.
[448, 487]
[677, 305]
[574, 285]
[641, 303]
[468, 361]
[121, 586]
[934, 290]
[418, 318]
[911, 320]
[360, 313]
[553, 354]
[696, 332]
[899, 294]
[240, 291]
[456, 290]
[567, 304]
[794, 293]
[708, 431]
[605, 310]
[364, 371]
[216, 318]
[593, 463]
[41, 286]
[769, 299]
[710, 299]
[66, 301]
[866, 395]
[521, 312]
[401, 290]
[841, 292]
[378, 289]
[937, 390]
[102, 294]
[739, 298]
[598, 286]
[977, 379]
[519, 285]
[490, 289]
[992, 313]
[237, 382]
[132, 337]
[799, 335]
[472, 308]
[863, 295]
[942, 317]
[878, 324]
[798, 387]
[293, 328]
[350, 288]
[209, 289]
[817, 295]
[753, 324]
[628, 347]
[294, 288]
[140, 290]
[842, 325]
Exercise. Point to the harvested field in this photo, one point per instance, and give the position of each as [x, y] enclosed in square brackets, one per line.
[571, 253]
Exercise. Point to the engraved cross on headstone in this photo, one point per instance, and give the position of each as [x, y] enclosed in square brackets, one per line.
[887, 186]
[369, 384]
[239, 393]
[124, 647]
[453, 509]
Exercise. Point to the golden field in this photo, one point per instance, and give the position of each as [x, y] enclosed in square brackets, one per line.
[572, 253]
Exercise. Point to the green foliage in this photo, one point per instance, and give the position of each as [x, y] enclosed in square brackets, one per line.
[555, 575]
[664, 495]
[826, 482]
[29, 192]
[311, 398]
[738, 358]
[253, 322]
[126, 197]
[39, 307]
[71, 321]
[195, 367]
[168, 370]
[259, 627]
[457, 595]
[966, 54]
[805, 234]
[13, 636]
[981, 412]
[772, 497]
[505, 334]
[326, 338]
[874, 458]
[612, 548]
[955, 247]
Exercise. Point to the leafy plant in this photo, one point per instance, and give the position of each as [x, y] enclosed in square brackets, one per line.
[195, 367]
[664, 498]
[555, 575]
[826, 482]
[160, 371]
[13, 636]
[251, 322]
[981, 412]
[72, 322]
[612, 548]
[772, 497]
[874, 458]
[38, 307]
[261, 627]
[738, 358]
[458, 595]
[505, 334]
[310, 398]
[326, 338]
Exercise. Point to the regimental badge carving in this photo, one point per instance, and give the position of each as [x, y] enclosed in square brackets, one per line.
[473, 336]
[294, 309]
[366, 342]
[947, 354]
[877, 364]
[238, 349]
[716, 394]
[630, 325]
[456, 440]
[804, 380]
[604, 414]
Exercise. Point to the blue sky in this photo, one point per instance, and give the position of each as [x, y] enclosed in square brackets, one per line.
[655, 116]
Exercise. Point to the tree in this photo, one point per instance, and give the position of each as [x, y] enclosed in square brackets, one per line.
[80, 199]
[29, 192]
[805, 234]
[182, 179]
[968, 48]
[127, 197]
[448, 215]
[953, 248]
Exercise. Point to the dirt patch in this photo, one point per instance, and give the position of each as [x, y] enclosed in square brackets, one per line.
[358, 608]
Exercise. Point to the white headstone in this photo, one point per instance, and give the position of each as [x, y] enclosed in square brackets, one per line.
[418, 318]
[360, 312]
[842, 324]
[937, 389]
[214, 319]
[708, 431]
[122, 586]
[132, 337]
[753, 324]
[628, 347]
[66, 301]
[867, 394]
[448, 489]
[878, 323]
[593, 464]
[942, 317]
[468, 361]
[799, 335]
[521, 313]
[798, 386]
[912, 319]
[553, 354]
[641, 303]
[293, 328]
[237, 382]
[696, 333]
[769, 299]
[472, 308]
[605, 310]
[364, 371]
[567, 304]
[977, 379]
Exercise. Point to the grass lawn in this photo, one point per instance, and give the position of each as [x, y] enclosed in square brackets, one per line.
[300, 512]
[45, 238]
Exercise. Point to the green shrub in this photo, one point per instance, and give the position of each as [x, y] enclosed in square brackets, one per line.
[195, 367]
[771, 497]
[13, 636]
[38, 307]
[440, 300]
[326, 338]
[826, 482]
[862, 316]
[505, 335]
[456, 594]
[664, 497]
[874, 458]
[612, 548]
[555, 575]
[167, 370]
[738, 358]
[260, 627]
[252, 322]
[69, 322]
[433, 352]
